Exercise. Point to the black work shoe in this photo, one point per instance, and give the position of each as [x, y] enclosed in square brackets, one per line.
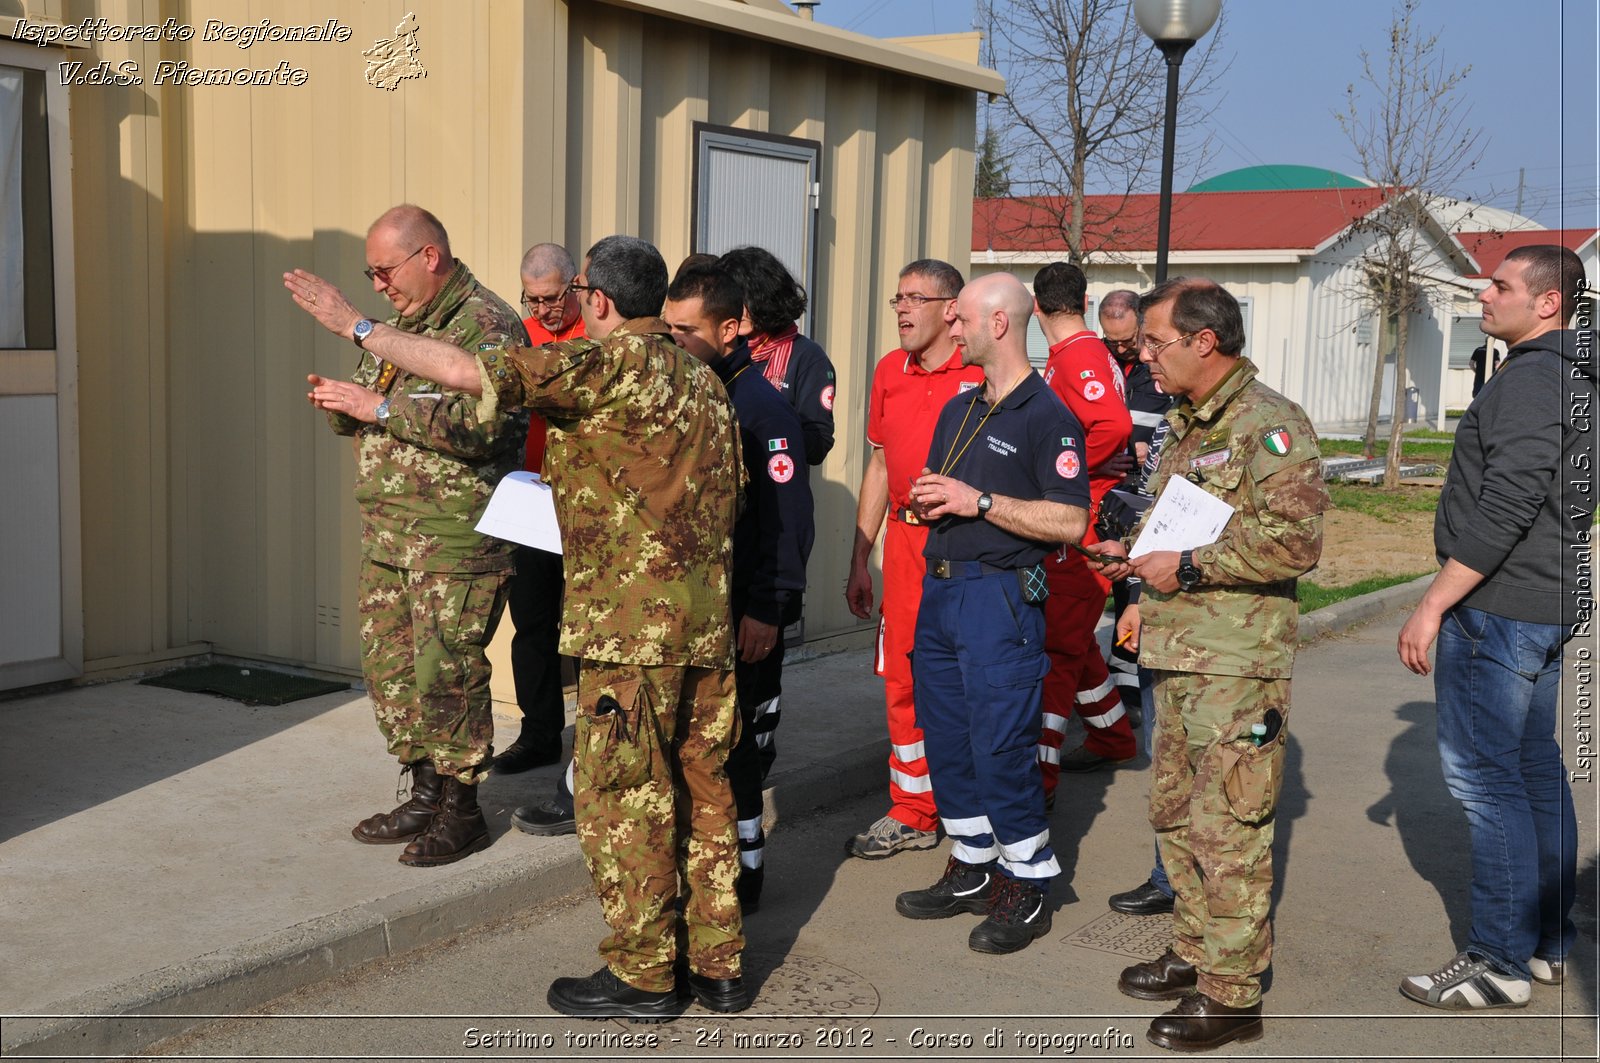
[526, 753]
[603, 995]
[1019, 913]
[1199, 1023]
[962, 888]
[547, 820]
[1167, 977]
[748, 889]
[1144, 899]
[720, 994]
[1081, 760]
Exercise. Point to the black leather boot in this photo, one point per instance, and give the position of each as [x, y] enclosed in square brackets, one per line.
[457, 830]
[410, 819]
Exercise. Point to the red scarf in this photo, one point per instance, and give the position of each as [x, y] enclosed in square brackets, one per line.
[774, 351]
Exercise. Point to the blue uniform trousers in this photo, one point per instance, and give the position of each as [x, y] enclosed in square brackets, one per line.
[976, 670]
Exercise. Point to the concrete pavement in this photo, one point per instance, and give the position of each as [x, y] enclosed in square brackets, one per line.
[166, 854]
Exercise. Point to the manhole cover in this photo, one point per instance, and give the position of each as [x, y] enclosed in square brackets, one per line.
[1140, 937]
[801, 985]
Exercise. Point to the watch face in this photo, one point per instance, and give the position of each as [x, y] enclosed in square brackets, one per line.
[363, 327]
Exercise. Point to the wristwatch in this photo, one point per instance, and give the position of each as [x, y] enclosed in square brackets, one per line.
[382, 412]
[362, 330]
[1188, 574]
[985, 503]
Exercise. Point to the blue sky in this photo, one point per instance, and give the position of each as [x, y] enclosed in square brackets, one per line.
[1533, 86]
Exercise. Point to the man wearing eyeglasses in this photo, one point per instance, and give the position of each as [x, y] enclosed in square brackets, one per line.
[909, 388]
[1147, 408]
[431, 588]
[648, 450]
[553, 316]
[1218, 632]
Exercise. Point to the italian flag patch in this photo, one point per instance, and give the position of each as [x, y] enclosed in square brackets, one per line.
[781, 443]
[1277, 440]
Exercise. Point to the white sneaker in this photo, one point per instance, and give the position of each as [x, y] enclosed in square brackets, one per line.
[1548, 972]
[1467, 983]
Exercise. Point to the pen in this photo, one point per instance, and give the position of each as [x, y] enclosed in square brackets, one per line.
[1123, 641]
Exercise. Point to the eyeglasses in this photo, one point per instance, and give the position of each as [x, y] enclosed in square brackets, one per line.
[1155, 349]
[576, 287]
[915, 301]
[385, 272]
[534, 303]
[1129, 344]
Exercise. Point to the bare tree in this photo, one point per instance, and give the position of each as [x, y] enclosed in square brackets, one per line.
[1407, 123]
[1084, 105]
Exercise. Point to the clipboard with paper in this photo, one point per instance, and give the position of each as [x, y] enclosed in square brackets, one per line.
[1184, 517]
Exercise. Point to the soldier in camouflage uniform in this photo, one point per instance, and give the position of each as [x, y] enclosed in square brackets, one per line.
[649, 455]
[431, 588]
[1219, 633]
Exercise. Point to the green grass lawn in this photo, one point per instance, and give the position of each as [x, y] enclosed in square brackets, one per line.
[1314, 596]
[1434, 446]
[1374, 501]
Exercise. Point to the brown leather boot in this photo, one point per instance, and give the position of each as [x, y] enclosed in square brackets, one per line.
[1199, 1023]
[457, 831]
[1165, 978]
[410, 819]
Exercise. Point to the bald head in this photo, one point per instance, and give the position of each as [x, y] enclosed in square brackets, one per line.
[991, 325]
[542, 260]
[412, 225]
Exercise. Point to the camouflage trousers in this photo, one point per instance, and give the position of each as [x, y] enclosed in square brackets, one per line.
[423, 642]
[1220, 864]
[655, 816]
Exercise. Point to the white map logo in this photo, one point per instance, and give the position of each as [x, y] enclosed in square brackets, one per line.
[392, 61]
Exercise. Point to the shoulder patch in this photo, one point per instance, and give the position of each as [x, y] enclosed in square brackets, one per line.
[1277, 440]
[781, 468]
[827, 397]
[1087, 374]
[1067, 464]
[781, 443]
[1094, 390]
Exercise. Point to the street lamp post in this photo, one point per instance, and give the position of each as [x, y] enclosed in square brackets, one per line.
[1175, 26]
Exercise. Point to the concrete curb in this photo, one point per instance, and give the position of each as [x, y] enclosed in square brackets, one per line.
[127, 1017]
[1352, 612]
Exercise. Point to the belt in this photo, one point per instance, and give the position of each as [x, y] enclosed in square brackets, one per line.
[941, 569]
[905, 515]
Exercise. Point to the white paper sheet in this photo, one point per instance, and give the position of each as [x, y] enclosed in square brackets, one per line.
[523, 510]
[1184, 517]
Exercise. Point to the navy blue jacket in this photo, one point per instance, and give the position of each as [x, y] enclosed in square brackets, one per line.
[772, 538]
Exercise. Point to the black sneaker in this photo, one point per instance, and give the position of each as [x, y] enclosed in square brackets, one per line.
[962, 888]
[1019, 913]
[603, 995]
[548, 819]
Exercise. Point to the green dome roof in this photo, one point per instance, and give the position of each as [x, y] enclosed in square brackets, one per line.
[1277, 178]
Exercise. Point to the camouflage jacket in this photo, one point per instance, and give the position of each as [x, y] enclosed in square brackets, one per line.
[649, 462]
[423, 478]
[1256, 450]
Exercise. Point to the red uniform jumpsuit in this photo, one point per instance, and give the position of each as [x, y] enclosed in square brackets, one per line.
[1084, 373]
[905, 404]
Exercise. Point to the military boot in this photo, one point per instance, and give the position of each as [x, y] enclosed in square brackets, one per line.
[410, 819]
[457, 830]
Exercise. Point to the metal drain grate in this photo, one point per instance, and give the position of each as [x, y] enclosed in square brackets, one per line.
[1140, 937]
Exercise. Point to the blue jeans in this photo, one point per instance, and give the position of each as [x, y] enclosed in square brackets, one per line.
[1497, 683]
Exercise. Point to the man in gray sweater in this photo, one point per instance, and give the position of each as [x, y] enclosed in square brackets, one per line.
[1513, 533]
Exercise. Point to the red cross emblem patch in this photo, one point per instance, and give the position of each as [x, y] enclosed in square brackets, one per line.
[781, 468]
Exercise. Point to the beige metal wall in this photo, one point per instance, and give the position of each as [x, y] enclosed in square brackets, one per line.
[216, 504]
